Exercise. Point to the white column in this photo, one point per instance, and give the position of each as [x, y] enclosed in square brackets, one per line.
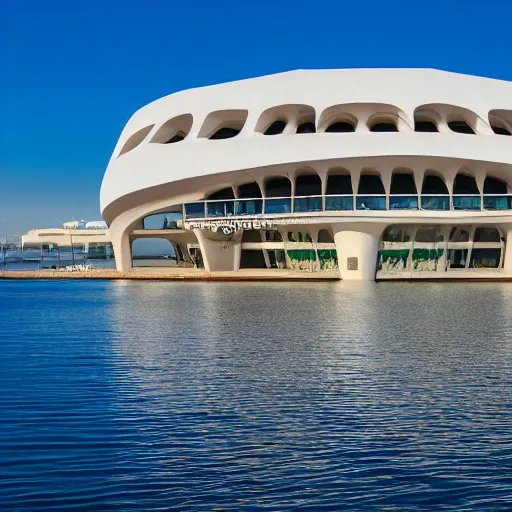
[361, 246]
[219, 255]
[122, 252]
[507, 260]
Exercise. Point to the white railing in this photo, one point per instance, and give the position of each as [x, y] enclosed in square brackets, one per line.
[242, 207]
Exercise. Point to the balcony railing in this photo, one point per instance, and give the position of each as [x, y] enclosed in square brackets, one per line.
[497, 202]
[435, 202]
[467, 202]
[403, 202]
[307, 204]
[278, 205]
[368, 202]
[338, 203]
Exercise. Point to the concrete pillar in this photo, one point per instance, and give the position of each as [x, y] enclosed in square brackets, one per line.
[357, 250]
[219, 255]
[122, 248]
[507, 260]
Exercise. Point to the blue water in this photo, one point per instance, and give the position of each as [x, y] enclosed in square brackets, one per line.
[237, 396]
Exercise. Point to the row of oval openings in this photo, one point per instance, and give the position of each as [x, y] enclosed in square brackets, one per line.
[167, 134]
[278, 127]
[341, 184]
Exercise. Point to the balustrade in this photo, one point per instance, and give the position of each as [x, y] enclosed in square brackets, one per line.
[435, 202]
[333, 203]
[402, 202]
[339, 203]
[369, 202]
[467, 202]
[497, 202]
[307, 204]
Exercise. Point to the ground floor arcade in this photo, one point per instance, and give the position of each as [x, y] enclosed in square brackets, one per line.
[350, 250]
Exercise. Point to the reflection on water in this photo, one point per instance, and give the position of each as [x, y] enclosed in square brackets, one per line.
[244, 396]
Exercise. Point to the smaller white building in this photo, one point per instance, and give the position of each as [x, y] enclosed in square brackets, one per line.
[90, 237]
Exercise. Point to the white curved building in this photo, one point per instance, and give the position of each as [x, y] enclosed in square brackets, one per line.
[387, 172]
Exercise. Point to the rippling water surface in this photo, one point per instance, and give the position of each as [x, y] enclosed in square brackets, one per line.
[237, 396]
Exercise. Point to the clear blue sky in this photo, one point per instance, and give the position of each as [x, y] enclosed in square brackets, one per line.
[73, 72]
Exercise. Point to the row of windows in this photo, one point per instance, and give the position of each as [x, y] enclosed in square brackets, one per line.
[339, 182]
[226, 124]
[434, 234]
[251, 235]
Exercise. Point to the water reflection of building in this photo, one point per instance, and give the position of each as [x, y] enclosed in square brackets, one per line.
[350, 170]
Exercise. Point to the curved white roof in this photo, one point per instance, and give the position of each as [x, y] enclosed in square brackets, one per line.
[141, 162]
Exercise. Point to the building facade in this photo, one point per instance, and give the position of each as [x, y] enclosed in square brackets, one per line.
[366, 173]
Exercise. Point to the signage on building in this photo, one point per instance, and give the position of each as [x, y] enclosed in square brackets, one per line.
[228, 227]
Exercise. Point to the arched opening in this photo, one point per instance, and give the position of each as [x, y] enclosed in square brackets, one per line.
[404, 195]
[426, 120]
[495, 194]
[251, 258]
[307, 127]
[384, 126]
[248, 202]
[276, 128]
[453, 117]
[167, 220]
[325, 237]
[281, 188]
[434, 193]
[485, 234]
[340, 127]
[425, 126]
[465, 184]
[339, 185]
[371, 193]
[307, 185]
[403, 183]
[174, 130]
[278, 187]
[428, 252]
[461, 127]
[220, 203]
[251, 236]
[283, 118]
[249, 190]
[272, 235]
[459, 234]
[306, 119]
[501, 122]
[224, 193]
[153, 252]
[176, 138]
[487, 248]
[466, 195]
[225, 133]
[299, 237]
[429, 234]
[223, 124]
[370, 184]
[434, 184]
[394, 250]
[498, 130]
[494, 186]
[396, 234]
[135, 139]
